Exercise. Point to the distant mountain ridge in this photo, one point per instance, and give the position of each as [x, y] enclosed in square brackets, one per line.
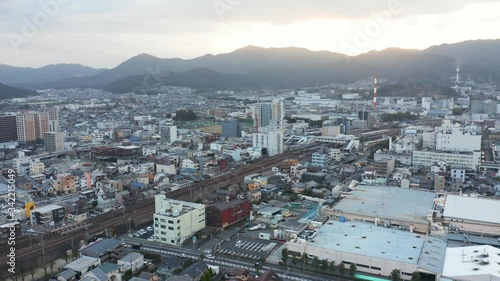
[37, 76]
[254, 67]
[7, 92]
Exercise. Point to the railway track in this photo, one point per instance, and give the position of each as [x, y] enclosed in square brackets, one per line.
[146, 207]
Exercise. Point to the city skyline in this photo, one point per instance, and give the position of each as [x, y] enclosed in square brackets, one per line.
[104, 35]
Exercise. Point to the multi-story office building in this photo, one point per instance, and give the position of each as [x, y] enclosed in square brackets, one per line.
[320, 159]
[470, 160]
[231, 129]
[54, 141]
[454, 137]
[176, 221]
[224, 214]
[48, 214]
[8, 128]
[168, 134]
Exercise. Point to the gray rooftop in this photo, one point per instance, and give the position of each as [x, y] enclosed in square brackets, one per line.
[388, 202]
[81, 264]
[132, 256]
[369, 240]
[474, 209]
[433, 254]
[101, 247]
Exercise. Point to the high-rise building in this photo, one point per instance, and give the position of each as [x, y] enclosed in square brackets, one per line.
[31, 126]
[273, 141]
[41, 124]
[168, 134]
[54, 141]
[26, 127]
[231, 129]
[263, 113]
[54, 123]
[8, 128]
[176, 221]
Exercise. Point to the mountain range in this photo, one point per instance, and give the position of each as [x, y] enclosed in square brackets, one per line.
[255, 68]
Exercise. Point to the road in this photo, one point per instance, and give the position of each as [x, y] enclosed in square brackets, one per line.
[228, 263]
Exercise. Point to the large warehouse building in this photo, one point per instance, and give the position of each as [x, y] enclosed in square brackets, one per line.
[401, 207]
[374, 249]
[472, 215]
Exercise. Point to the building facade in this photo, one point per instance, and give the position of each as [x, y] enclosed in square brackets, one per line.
[168, 134]
[224, 214]
[54, 142]
[470, 160]
[8, 128]
[176, 221]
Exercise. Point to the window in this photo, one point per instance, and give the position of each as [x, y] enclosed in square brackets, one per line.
[170, 228]
[170, 222]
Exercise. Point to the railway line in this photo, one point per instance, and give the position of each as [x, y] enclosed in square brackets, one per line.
[145, 208]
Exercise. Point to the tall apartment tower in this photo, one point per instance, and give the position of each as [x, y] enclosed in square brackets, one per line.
[168, 134]
[32, 126]
[8, 128]
[263, 113]
[54, 125]
[54, 141]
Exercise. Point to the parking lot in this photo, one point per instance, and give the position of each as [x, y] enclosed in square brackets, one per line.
[249, 248]
[145, 233]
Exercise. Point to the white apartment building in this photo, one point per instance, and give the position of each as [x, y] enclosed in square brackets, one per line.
[37, 167]
[273, 141]
[263, 113]
[454, 137]
[168, 134]
[469, 160]
[176, 221]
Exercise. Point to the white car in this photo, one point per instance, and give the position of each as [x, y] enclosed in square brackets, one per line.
[210, 257]
[31, 230]
[149, 228]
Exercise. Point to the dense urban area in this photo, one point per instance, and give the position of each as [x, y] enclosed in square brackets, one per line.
[320, 183]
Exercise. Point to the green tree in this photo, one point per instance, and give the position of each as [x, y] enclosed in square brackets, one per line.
[342, 268]
[264, 151]
[457, 111]
[127, 275]
[32, 270]
[211, 272]
[415, 276]
[352, 269]
[294, 260]
[324, 264]
[185, 115]
[315, 262]
[284, 255]
[395, 275]
[332, 266]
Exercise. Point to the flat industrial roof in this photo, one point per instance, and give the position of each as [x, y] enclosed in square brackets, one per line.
[82, 263]
[472, 263]
[388, 202]
[46, 208]
[369, 240]
[474, 209]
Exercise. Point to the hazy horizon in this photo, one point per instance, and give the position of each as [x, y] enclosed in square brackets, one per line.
[102, 35]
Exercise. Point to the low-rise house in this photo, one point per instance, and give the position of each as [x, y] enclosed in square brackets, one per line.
[133, 261]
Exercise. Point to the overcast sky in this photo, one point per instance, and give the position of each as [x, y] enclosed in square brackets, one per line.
[104, 33]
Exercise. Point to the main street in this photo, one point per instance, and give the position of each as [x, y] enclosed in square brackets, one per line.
[226, 263]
